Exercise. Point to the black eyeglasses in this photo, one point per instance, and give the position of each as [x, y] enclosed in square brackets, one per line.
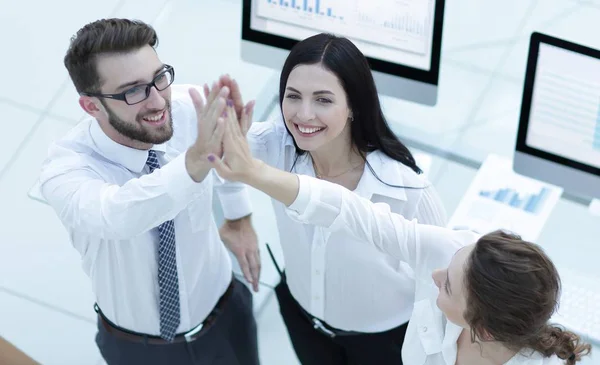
[139, 93]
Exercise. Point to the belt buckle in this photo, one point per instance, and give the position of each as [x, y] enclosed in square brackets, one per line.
[318, 325]
[191, 333]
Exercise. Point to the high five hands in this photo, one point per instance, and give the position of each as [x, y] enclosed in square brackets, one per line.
[233, 160]
[237, 163]
[222, 122]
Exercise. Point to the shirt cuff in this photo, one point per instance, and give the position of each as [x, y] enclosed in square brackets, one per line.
[236, 204]
[318, 202]
[298, 207]
[178, 181]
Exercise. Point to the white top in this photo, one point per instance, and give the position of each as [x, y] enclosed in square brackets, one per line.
[338, 279]
[108, 202]
[430, 338]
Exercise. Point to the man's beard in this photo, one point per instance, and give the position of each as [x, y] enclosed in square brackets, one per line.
[138, 131]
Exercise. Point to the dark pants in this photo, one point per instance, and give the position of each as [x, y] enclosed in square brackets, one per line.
[315, 348]
[231, 340]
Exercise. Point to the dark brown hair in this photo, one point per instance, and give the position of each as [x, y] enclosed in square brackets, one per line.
[369, 129]
[512, 291]
[103, 36]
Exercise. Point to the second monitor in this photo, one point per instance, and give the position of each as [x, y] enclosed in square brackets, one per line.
[559, 131]
[401, 38]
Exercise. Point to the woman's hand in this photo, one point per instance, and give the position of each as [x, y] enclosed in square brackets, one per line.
[237, 163]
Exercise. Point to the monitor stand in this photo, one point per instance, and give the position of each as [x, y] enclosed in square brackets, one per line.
[267, 98]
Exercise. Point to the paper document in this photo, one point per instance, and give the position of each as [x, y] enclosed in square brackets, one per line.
[498, 198]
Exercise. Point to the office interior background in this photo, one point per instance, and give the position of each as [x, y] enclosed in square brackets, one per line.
[46, 299]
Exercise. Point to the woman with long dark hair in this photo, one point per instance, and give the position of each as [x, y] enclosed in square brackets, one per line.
[479, 300]
[343, 302]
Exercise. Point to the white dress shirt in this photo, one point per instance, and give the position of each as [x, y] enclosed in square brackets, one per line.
[109, 203]
[349, 285]
[430, 338]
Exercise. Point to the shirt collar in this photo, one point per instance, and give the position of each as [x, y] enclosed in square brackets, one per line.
[131, 158]
[523, 357]
[449, 347]
[526, 357]
[387, 170]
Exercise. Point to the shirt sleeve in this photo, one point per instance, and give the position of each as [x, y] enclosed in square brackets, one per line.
[86, 203]
[234, 198]
[430, 209]
[333, 207]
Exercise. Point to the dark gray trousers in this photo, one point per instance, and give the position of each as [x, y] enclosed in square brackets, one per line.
[231, 340]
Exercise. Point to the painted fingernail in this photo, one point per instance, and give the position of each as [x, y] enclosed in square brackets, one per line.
[211, 158]
[224, 114]
[229, 102]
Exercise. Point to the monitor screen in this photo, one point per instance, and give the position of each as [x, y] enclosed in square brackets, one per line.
[397, 31]
[564, 119]
[399, 37]
[558, 139]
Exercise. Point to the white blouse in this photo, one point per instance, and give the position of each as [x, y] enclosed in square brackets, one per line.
[338, 279]
[430, 338]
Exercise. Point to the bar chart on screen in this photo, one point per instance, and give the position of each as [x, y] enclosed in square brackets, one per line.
[400, 24]
[498, 198]
[303, 7]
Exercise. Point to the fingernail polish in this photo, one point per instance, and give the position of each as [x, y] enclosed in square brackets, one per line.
[224, 114]
[211, 158]
[229, 102]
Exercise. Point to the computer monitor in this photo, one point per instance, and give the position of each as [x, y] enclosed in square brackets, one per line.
[401, 38]
[558, 139]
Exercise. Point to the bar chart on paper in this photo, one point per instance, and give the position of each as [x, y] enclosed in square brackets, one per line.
[498, 198]
[401, 24]
[528, 202]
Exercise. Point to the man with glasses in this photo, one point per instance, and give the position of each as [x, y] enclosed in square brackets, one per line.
[133, 187]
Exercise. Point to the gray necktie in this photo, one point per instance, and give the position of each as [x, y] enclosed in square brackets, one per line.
[168, 282]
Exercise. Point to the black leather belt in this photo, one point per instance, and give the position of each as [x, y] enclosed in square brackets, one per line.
[188, 336]
[323, 327]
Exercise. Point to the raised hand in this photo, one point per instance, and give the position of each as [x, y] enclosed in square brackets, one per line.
[235, 94]
[238, 163]
[211, 125]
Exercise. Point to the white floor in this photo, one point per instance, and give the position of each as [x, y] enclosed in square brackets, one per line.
[45, 299]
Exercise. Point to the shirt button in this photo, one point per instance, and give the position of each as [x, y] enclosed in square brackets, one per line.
[317, 272]
[424, 329]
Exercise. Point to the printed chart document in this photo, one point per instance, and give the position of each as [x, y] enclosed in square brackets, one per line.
[498, 198]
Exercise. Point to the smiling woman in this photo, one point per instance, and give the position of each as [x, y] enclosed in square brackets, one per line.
[494, 299]
[342, 301]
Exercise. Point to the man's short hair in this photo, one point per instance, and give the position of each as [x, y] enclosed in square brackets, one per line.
[103, 36]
